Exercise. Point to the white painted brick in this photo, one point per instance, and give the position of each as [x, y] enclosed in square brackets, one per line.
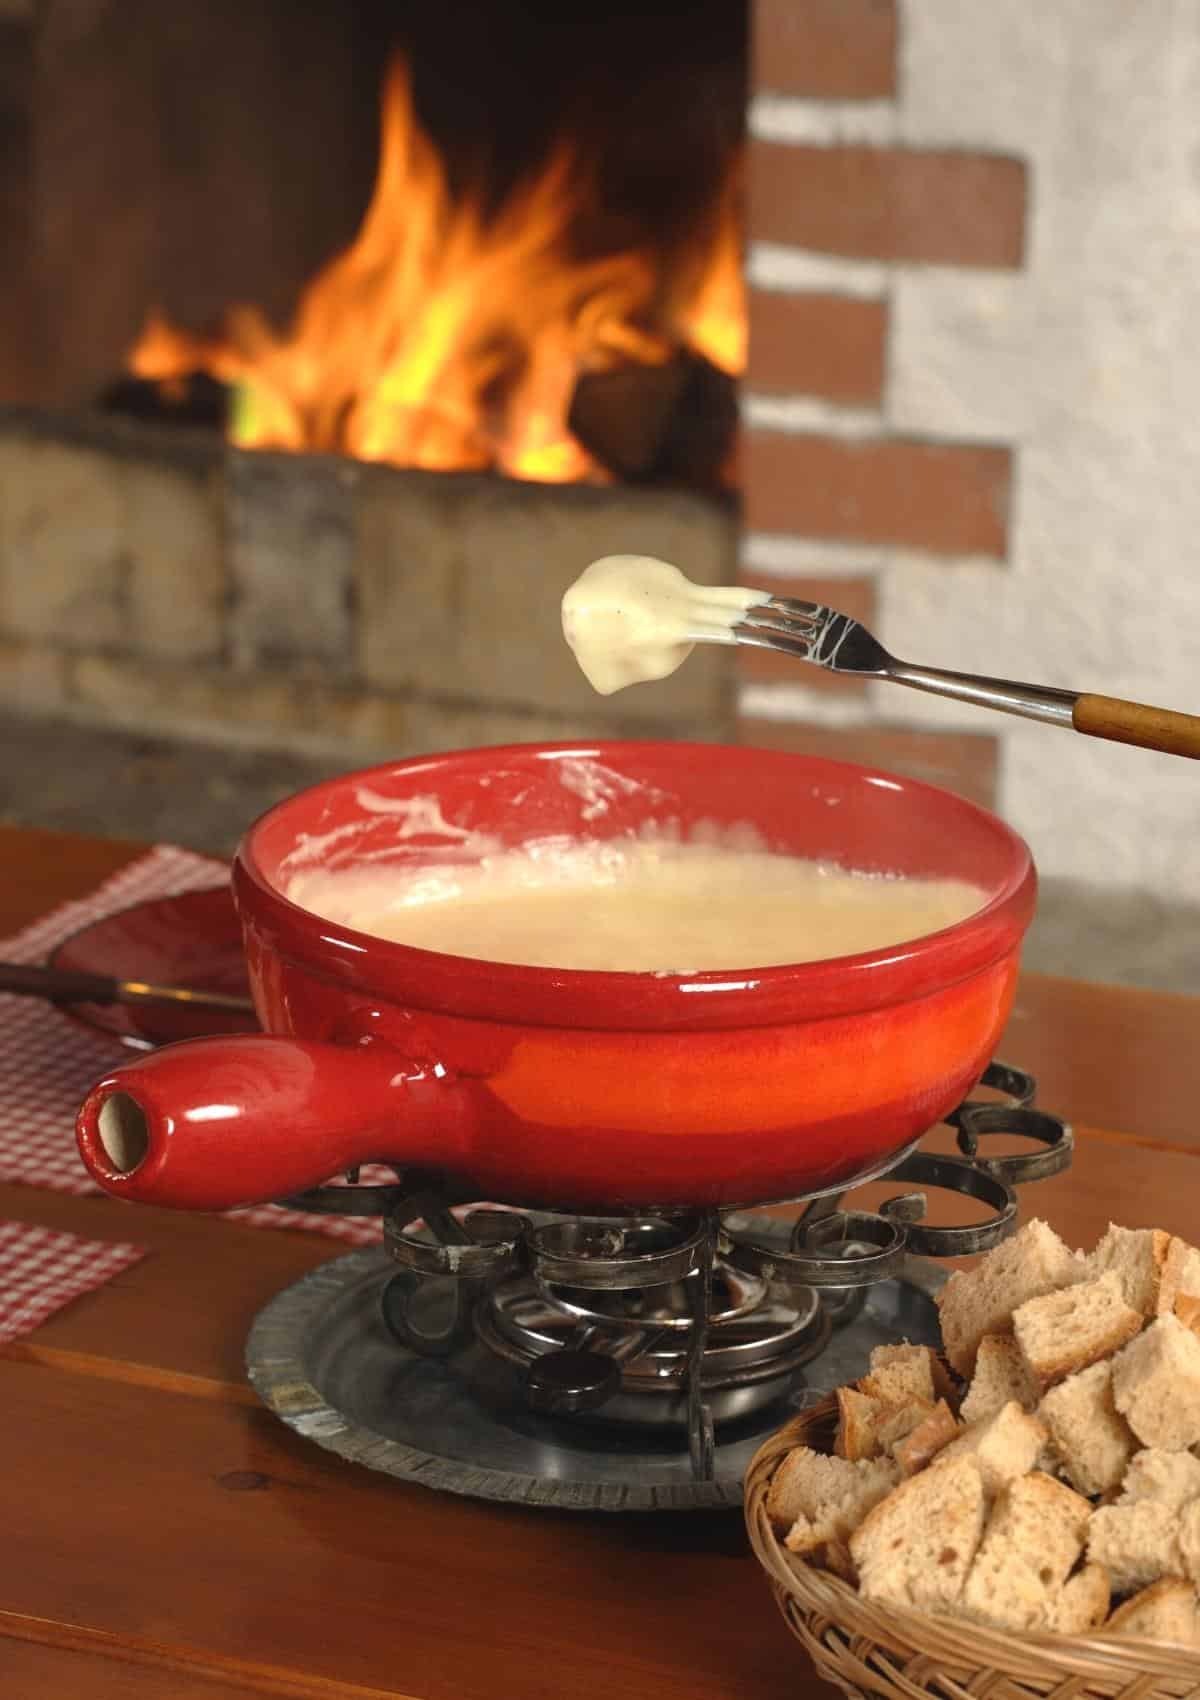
[1088, 361]
[822, 123]
[801, 703]
[777, 265]
[959, 362]
[809, 413]
[776, 552]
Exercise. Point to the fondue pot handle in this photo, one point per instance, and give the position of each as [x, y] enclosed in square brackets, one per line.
[210, 1124]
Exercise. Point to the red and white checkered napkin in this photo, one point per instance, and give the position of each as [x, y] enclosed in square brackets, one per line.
[41, 1270]
[48, 1062]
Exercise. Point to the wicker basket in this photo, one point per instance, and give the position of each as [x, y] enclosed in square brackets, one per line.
[869, 1649]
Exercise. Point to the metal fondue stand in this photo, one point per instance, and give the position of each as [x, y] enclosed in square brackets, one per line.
[604, 1363]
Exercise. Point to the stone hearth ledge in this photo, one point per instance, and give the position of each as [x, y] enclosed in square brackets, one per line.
[155, 579]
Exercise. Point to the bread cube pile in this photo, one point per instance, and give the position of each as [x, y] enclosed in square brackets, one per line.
[1053, 1483]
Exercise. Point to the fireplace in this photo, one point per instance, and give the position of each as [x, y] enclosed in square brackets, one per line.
[388, 335]
[352, 334]
[931, 287]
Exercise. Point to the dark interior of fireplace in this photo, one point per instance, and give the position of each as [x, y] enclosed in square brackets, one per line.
[183, 158]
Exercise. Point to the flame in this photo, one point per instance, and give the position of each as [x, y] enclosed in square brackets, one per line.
[450, 338]
[712, 319]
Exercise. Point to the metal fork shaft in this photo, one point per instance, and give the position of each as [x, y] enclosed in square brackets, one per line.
[826, 638]
[1009, 696]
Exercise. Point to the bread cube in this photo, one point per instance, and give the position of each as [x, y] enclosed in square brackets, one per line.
[1091, 1441]
[1060, 1333]
[1156, 1385]
[982, 1300]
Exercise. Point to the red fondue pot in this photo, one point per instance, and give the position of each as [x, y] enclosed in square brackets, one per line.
[571, 1089]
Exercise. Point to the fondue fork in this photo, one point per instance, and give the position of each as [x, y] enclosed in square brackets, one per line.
[62, 985]
[826, 638]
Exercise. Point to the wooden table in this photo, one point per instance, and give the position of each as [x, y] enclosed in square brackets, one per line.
[162, 1537]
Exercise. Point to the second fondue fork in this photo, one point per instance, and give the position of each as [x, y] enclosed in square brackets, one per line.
[829, 639]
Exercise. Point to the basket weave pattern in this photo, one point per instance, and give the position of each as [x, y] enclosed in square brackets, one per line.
[870, 1650]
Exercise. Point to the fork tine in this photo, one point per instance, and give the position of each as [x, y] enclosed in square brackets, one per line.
[793, 605]
[787, 640]
[789, 628]
[792, 619]
[786, 611]
[766, 628]
[812, 632]
[709, 618]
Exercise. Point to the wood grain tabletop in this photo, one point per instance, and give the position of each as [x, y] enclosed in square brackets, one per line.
[163, 1537]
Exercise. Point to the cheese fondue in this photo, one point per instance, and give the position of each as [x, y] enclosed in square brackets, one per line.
[629, 618]
[635, 905]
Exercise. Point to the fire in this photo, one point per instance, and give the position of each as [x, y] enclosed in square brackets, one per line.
[449, 337]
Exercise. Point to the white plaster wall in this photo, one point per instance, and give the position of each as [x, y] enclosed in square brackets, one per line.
[1088, 363]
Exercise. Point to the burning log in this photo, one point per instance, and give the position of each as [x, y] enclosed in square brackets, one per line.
[196, 400]
[673, 423]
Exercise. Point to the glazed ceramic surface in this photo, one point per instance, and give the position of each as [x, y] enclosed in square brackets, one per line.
[192, 940]
[577, 1089]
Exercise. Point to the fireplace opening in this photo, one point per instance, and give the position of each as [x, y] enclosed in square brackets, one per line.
[345, 336]
[544, 278]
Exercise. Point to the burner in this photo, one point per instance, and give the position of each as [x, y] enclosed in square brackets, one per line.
[619, 1362]
[321, 1356]
[754, 1346]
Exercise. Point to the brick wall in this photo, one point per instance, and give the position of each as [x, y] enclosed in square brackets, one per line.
[834, 488]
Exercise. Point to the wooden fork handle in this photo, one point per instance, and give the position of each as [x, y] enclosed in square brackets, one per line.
[1137, 723]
